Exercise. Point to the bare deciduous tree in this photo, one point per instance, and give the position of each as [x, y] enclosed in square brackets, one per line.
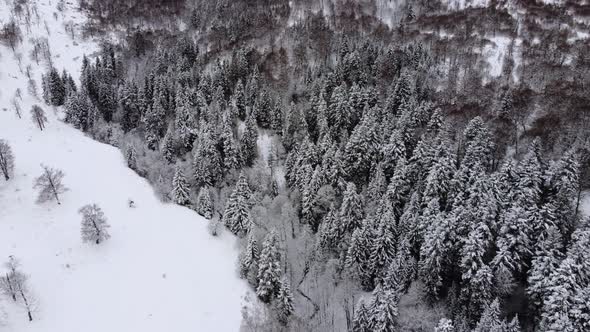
[6, 159]
[50, 184]
[11, 34]
[14, 285]
[38, 116]
[94, 224]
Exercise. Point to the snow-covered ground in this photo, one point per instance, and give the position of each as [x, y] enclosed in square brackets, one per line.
[160, 271]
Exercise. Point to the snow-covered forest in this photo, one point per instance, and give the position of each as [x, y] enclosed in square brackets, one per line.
[303, 165]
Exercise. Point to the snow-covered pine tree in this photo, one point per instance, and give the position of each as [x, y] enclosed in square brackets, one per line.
[94, 224]
[362, 149]
[131, 157]
[154, 122]
[284, 302]
[490, 320]
[50, 185]
[237, 209]
[269, 268]
[249, 256]
[383, 311]
[382, 246]
[351, 211]
[444, 325]
[38, 116]
[167, 148]
[6, 160]
[361, 319]
[204, 203]
[180, 188]
[248, 140]
[207, 166]
[546, 260]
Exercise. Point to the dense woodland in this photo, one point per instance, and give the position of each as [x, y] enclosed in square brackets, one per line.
[379, 178]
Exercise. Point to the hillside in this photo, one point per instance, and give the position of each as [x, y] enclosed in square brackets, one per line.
[161, 270]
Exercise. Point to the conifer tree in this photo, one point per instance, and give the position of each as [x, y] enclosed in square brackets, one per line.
[180, 188]
[207, 167]
[490, 320]
[351, 210]
[248, 140]
[237, 209]
[204, 203]
[361, 318]
[249, 256]
[168, 147]
[284, 302]
[362, 150]
[269, 269]
[131, 157]
[444, 325]
[94, 224]
[383, 311]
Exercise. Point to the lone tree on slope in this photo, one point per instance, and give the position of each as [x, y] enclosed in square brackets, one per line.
[38, 116]
[50, 183]
[6, 159]
[94, 224]
[14, 285]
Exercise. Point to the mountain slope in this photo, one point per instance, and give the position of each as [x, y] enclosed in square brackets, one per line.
[160, 271]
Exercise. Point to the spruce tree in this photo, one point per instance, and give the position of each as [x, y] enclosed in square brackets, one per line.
[207, 167]
[284, 302]
[204, 203]
[249, 256]
[180, 188]
[131, 157]
[361, 320]
[269, 268]
[237, 209]
[248, 140]
[351, 210]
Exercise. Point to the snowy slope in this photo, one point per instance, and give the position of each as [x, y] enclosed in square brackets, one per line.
[160, 271]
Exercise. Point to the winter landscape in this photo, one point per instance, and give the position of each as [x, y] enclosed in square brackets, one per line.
[301, 165]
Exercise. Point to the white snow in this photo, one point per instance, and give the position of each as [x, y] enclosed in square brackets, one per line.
[495, 53]
[264, 143]
[160, 271]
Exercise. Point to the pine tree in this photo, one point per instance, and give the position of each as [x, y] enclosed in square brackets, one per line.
[361, 318]
[154, 121]
[383, 311]
[434, 254]
[207, 167]
[269, 269]
[248, 140]
[180, 188]
[490, 320]
[94, 224]
[444, 325]
[237, 209]
[249, 256]
[362, 150]
[284, 302]
[168, 147]
[131, 158]
[383, 246]
[204, 203]
[351, 210]
[6, 160]
[546, 260]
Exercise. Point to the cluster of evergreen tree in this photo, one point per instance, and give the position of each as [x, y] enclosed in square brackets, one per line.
[392, 191]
